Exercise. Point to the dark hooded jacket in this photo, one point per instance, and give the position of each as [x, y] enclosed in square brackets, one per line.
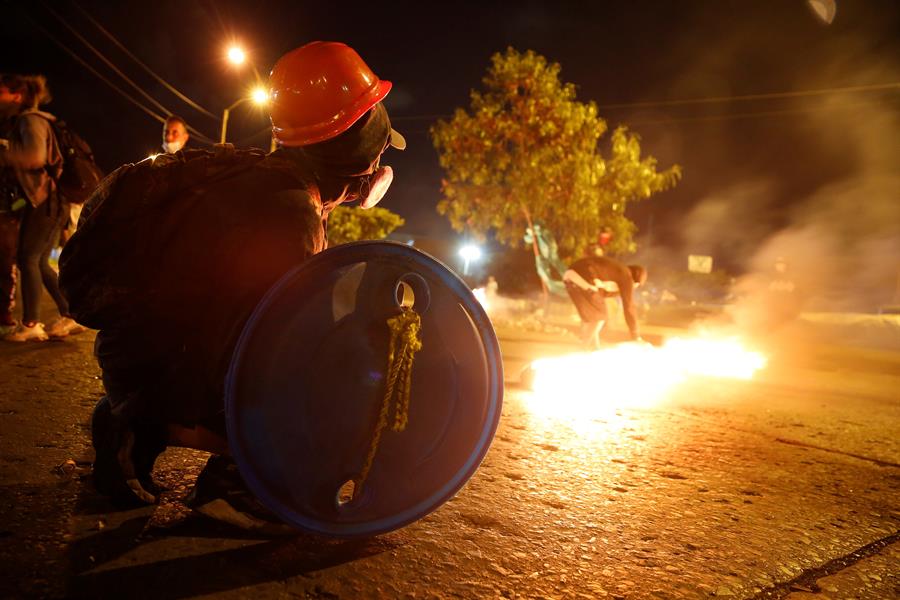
[216, 251]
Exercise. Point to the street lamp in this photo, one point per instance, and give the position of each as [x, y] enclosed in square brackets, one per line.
[469, 253]
[236, 55]
[259, 96]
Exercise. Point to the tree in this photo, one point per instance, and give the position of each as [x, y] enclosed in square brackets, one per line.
[353, 224]
[528, 151]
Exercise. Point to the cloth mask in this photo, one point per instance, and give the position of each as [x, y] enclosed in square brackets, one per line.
[172, 147]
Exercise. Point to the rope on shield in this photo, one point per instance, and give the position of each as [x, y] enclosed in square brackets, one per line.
[404, 344]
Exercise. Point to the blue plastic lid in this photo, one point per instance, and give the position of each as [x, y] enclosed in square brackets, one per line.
[306, 385]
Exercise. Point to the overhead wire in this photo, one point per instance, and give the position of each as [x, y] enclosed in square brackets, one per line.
[251, 137]
[714, 99]
[737, 116]
[82, 62]
[766, 96]
[107, 62]
[152, 73]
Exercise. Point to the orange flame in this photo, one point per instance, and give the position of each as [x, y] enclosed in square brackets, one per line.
[634, 374]
[481, 296]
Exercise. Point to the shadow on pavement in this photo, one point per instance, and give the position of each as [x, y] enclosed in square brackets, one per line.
[211, 572]
[194, 556]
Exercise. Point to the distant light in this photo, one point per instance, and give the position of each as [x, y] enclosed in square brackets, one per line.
[236, 55]
[259, 96]
[470, 253]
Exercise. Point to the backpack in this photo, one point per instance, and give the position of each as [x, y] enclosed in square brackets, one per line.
[106, 269]
[80, 173]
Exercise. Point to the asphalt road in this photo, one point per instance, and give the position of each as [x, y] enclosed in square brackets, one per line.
[786, 485]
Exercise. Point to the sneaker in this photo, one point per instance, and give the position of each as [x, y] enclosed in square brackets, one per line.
[24, 333]
[64, 326]
[221, 494]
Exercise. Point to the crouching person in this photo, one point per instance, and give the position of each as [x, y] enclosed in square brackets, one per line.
[173, 254]
[589, 281]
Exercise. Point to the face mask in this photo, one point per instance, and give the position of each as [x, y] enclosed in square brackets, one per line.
[375, 186]
[172, 147]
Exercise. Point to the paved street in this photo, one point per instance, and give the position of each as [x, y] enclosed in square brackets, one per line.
[786, 485]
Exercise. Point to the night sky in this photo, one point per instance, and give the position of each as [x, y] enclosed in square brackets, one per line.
[435, 52]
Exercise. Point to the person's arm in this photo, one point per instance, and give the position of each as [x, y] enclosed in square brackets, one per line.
[31, 151]
[609, 289]
[626, 290]
[574, 277]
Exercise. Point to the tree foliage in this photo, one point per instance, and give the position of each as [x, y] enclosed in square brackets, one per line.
[528, 151]
[353, 224]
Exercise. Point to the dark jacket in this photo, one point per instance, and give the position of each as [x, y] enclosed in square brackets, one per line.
[33, 155]
[201, 264]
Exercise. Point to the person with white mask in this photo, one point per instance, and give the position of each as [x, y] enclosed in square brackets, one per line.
[174, 134]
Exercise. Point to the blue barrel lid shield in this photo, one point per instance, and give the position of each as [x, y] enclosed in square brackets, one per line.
[306, 387]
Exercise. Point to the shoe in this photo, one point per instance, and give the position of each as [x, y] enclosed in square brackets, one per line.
[24, 333]
[221, 494]
[64, 326]
[124, 458]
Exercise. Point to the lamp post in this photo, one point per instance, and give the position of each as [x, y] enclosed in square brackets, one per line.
[258, 96]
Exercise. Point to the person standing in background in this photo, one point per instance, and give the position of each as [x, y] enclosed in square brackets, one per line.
[174, 135]
[32, 157]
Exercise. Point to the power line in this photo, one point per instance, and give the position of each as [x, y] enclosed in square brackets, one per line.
[82, 62]
[250, 138]
[168, 86]
[769, 96]
[115, 69]
[713, 99]
[735, 116]
[727, 117]
[420, 117]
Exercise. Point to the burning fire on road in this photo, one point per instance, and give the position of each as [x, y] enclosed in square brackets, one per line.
[481, 296]
[633, 374]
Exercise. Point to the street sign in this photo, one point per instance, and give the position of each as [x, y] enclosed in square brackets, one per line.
[698, 263]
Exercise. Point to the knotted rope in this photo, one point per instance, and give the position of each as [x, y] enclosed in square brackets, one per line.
[404, 344]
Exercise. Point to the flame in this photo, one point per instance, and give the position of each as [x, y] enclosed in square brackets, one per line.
[634, 374]
[481, 296]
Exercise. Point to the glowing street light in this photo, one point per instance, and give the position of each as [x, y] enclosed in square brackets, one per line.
[259, 96]
[469, 253]
[236, 55]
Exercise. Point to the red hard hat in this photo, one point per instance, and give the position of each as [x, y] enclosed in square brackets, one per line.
[319, 90]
